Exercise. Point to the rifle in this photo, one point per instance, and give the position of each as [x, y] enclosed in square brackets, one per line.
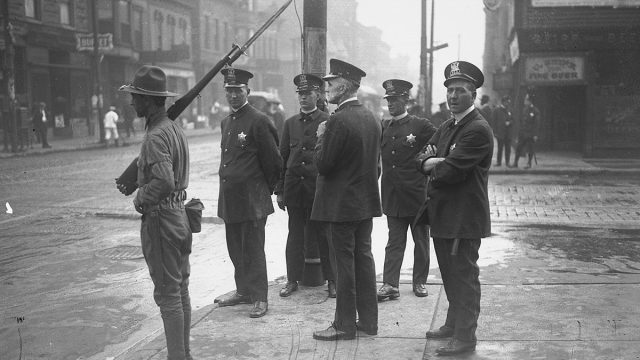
[126, 182]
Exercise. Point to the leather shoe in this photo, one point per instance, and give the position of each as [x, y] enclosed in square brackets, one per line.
[289, 288]
[388, 292]
[443, 332]
[455, 347]
[420, 290]
[369, 330]
[259, 309]
[331, 286]
[235, 299]
[331, 334]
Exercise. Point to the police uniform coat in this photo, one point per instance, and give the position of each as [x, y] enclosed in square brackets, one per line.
[500, 116]
[249, 166]
[457, 204]
[299, 172]
[347, 156]
[529, 122]
[403, 187]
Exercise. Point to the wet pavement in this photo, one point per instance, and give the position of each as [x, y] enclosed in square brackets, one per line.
[560, 274]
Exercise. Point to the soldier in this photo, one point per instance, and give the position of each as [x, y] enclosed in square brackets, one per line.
[403, 190]
[250, 166]
[528, 134]
[297, 186]
[503, 129]
[457, 159]
[347, 196]
[163, 177]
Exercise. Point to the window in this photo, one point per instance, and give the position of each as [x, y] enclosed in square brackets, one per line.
[158, 18]
[32, 9]
[207, 32]
[66, 12]
[171, 21]
[124, 17]
[105, 16]
[216, 35]
[136, 23]
[182, 24]
[226, 33]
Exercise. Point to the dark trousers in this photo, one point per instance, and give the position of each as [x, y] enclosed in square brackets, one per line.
[166, 245]
[460, 279]
[42, 130]
[356, 275]
[245, 243]
[506, 145]
[306, 232]
[525, 144]
[394, 251]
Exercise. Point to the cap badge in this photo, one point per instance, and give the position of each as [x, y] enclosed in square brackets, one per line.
[390, 87]
[455, 69]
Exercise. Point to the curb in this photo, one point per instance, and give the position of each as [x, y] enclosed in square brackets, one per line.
[130, 216]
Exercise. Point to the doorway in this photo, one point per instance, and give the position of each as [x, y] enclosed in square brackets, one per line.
[563, 110]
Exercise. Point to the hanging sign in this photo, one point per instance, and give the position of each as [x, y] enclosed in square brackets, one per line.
[558, 70]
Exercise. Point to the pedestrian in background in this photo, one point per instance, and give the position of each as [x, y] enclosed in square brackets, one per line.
[528, 132]
[403, 190]
[111, 126]
[503, 126]
[442, 115]
[297, 186]
[485, 108]
[250, 167]
[347, 156]
[163, 177]
[41, 119]
[457, 160]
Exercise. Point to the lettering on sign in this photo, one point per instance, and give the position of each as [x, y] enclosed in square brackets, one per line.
[555, 69]
[85, 42]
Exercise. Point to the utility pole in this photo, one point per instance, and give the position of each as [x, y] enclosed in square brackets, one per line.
[9, 75]
[314, 61]
[422, 87]
[429, 78]
[96, 67]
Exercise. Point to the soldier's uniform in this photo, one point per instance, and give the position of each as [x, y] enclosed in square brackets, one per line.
[249, 169]
[403, 191]
[297, 186]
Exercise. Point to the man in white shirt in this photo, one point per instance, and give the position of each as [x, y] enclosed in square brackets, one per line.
[110, 126]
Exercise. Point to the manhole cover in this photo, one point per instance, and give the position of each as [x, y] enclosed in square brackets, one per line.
[123, 252]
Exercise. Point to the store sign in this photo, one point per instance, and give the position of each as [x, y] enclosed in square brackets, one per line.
[559, 70]
[85, 42]
[573, 3]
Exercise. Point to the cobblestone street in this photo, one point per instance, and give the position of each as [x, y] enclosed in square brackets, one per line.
[599, 201]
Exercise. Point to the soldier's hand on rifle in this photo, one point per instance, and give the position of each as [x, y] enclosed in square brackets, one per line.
[280, 200]
[137, 206]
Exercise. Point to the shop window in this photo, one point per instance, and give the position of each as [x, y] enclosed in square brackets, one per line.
[33, 9]
[182, 24]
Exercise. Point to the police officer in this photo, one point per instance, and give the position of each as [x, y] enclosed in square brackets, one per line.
[347, 196]
[403, 189]
[528, 133]
[457, 159]
[503, 126]
[250, 167]
[297, 186]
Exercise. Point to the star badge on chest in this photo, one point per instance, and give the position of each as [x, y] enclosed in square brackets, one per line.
[411, 139]
[242, 137]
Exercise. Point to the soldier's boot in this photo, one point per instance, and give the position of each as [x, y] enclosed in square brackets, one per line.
[173, 321]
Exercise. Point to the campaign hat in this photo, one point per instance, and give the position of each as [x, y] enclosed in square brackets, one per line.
[339, 68]
[236, 77]
[307, 82]
[396, 87]
[463, 70]
[149, 80]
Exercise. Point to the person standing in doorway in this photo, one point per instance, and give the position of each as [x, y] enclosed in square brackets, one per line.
[403, 190]
[297, 186]
[163, 177]
[111, 126]
[528, 133]
[347, 156]
[457, 160]
[250, 167]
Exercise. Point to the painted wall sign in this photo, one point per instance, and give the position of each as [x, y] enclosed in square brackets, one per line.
[554, 70]
[612, 3]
